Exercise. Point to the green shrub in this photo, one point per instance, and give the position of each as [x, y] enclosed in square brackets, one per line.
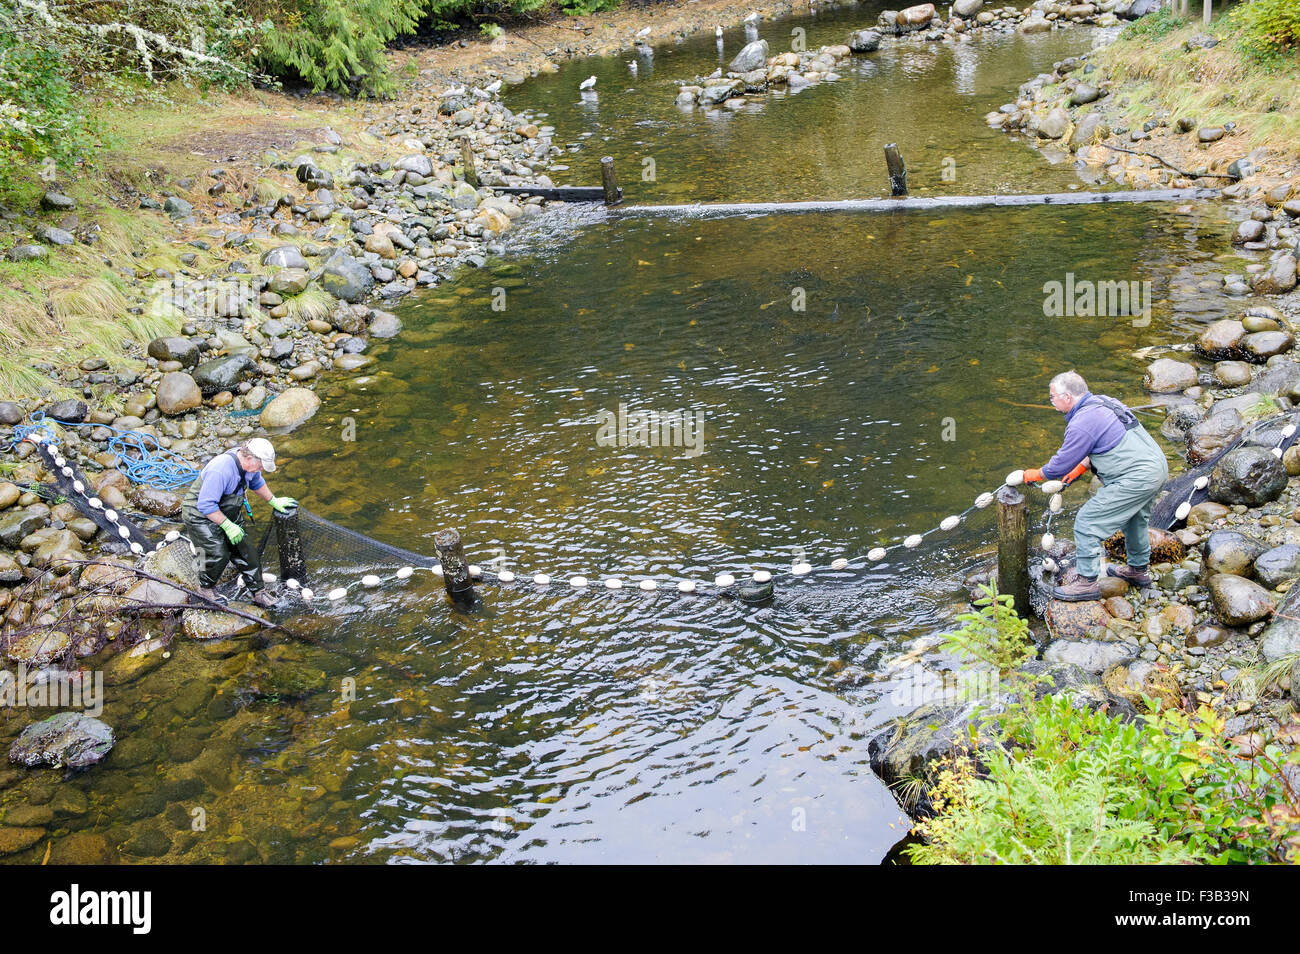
[1066, 785]
[1152, 26]
[1268, 28]
[580, 8]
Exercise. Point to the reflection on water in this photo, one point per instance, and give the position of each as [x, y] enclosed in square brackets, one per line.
[859, 377]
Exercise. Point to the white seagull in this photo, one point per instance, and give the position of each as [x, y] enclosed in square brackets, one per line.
[588, 83]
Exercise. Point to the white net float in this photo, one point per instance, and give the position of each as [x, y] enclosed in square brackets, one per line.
[1049, 564]
[613, 584]
[913, 541]
[436, 570]
[949, 523]
[95, 502]
[137, 548]
[1015, 478]
[370, 580]
[762, 576]
[66, 471]
[1053, 486]
[172, 536]
[268, 577]
[505, 576]
[541, 579]
[1202, 482]
[78, 486]
[59, 460]
[124, 532]
[1056, 503]
[983, 500]
[405, 572]
[723, 580]
[1288, 431]
[686, 586]
[577, 582]
[647, 585]
[839, 563]
[801, 569]
[111, 515]
[1048, 541]
[1277, 452]
[1183, 510]
[876, 554]
[337, 593]
[306, 593]
[291, 583]
[475, 571]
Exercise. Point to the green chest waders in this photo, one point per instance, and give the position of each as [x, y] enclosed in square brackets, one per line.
[1132, 474]
[214, 548]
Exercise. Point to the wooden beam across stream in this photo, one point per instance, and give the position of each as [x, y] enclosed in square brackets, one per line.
[718, 210]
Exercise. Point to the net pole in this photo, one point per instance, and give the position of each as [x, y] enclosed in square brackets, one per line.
[288, 541]
[455, 568]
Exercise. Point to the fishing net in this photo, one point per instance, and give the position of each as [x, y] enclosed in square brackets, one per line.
[318, 552]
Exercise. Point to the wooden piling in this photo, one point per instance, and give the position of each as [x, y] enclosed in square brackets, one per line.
[612, 195]
[455, 568]
[1013, 547]
[897, 170]
[467, 160]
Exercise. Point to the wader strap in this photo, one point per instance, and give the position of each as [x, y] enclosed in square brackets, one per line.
[1126, 417]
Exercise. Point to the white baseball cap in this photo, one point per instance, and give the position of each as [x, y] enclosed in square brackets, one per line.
[261, 448]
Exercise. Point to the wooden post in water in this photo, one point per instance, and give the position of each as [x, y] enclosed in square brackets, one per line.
[897, 171]
[467, 160]
[1209, 12]
[607, 180]
[455, 568]
[1013, 548]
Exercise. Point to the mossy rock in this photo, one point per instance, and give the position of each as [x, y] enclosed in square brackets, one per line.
[1165, 547]
[1141, 678]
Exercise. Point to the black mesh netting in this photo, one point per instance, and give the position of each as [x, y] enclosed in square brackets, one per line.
[331, 554]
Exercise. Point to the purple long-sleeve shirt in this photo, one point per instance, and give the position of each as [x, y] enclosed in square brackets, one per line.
[1090, 428]
[221, 476]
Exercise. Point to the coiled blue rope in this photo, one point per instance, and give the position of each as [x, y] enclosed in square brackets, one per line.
[138, 455]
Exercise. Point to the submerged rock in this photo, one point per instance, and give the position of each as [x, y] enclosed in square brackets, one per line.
[66, 740]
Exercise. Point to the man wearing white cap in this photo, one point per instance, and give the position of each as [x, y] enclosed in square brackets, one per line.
[214, 515]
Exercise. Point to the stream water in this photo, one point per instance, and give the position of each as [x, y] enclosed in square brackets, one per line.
[551, 725]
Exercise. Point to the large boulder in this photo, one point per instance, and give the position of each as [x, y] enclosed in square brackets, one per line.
[1227, 551]
[178, 393]
[1090, 129]
[183, 350]
[285, 256]
[864, 41]
[346, 278]
[967, 8]
[1247, 475]
[1165, 376]
[1278, 565]
[1212, 435]
[753, 56]
[68, 740]
[1262, 345]
[916, 17]
[288, 281]
[224, 374]
[1282, 636]
[1054, 125]
[286, 411]
[1221, 339]
[1237, 601]
[1278, 278]
[420, 164]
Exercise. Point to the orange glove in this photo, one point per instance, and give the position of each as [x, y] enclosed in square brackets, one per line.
[1033, 475]
[1075, 474]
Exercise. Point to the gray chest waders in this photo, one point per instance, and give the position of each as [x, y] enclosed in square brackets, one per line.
[214, 548]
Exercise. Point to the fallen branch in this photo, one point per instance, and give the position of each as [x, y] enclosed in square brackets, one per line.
[1165, 162]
